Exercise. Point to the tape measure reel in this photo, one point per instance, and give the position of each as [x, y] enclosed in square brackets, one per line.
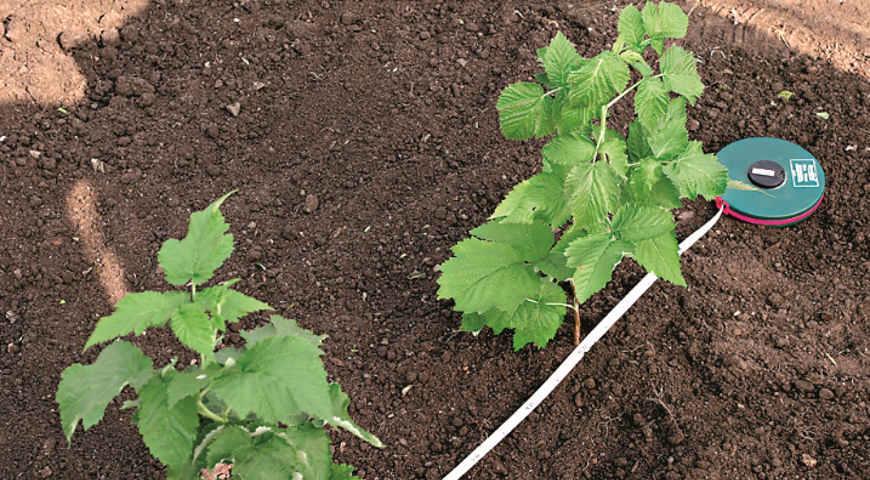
[782, 183]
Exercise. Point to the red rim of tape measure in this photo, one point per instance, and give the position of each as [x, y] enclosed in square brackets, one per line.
[765, 221]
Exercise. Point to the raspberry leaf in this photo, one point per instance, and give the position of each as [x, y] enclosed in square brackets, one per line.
[651, 102]
[169, 432]
[598, 80]
[193, 328]
[660, 255]
[560, 58]
[632, 223]
[182, 385]
[484, 275]
[227, 305]
[523, 111]
[697, 173]
[532, 241]
[670, 137]
[281, 327]
[340, 418]
[202, 251]
[630, 28]
[275, 379]
[86, 390]
[135, 313]
[594, 257]
[681, 74]
[539, 317]
[662, 21]
[538, 199]
[593, 190]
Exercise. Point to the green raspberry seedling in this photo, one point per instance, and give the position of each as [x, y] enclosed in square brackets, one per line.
[606, 195]
[261, 409]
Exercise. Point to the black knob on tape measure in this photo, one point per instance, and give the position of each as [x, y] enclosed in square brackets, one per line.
[766, 174]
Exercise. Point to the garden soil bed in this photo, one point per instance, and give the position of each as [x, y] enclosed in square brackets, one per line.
[367, 144]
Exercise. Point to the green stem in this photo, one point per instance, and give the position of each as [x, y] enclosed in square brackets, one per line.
[205, 412]
[555, 90]
[192, 291]
[606, 108]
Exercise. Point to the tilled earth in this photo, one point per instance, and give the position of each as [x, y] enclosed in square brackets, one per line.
[363, 140]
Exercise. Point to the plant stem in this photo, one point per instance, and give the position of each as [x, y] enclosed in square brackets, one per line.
[606, 108]
[192, 291]
[205, 412]
[577, 323]
[555, 90]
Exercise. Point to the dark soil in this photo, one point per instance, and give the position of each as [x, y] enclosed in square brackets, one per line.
[366, 145]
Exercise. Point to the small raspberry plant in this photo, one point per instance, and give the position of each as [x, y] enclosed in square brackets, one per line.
[600, 196]
[257, 412]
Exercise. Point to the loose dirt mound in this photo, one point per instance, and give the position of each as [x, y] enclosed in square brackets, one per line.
[364, 145]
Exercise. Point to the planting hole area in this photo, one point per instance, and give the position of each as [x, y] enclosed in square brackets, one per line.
[363, 142]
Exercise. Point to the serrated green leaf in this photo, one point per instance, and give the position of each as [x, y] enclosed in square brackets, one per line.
[168, 432]
[594, 257]
[280, 327]
[634, 223]
[593, 190]
[185, 384]
[681, 73]
[575, 118]
[555, 264]
[135, 313]
[498, 320]
[269, 452]
[275, 379]
[613, 149]
[664, 20]
[638, 148]
[630, 28]
[559, 59]
[696, 173]
[648, 172]
[193, 328]
[538, 319]
[566, 151]
[227, 305]
[485, 275]
[85, 390]
[660, 256]
[598, 80]
[670, 138]
[531, 240]
[262, 457]
[648, 186]
[185, 471]
[229, 442]
[341, 417]
[472, 322]
[651, 102]
[202, 251]
[664, 194]
[540, 198]
[522, 111]
[313, 456]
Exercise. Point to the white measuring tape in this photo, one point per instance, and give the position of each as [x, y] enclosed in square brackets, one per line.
[571, 361]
